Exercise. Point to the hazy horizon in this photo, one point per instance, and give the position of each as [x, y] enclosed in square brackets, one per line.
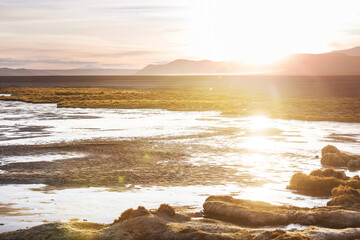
[44, 34]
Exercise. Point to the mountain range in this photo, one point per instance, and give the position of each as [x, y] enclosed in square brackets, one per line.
[343, 62]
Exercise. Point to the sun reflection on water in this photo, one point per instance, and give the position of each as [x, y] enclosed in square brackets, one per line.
[259, 143]
[259, 122]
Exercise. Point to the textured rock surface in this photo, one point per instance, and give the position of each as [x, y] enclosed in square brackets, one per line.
[331, 156]
[321, 182]
[260, 214]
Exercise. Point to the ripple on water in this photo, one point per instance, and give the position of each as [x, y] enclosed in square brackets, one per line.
[31, 124]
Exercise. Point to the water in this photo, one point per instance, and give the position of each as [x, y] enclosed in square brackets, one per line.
[261, 150]
[39, 158]
[25, 123]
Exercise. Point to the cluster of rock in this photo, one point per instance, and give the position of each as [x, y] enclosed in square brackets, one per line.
[331, 156]
[321, 182]
[339, 220]
[142, 224]
[165, 223]
[327, 182]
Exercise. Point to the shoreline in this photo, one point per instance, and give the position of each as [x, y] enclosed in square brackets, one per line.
[178, 223]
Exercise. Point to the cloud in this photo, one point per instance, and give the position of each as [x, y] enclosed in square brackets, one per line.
[32, 50]
[152, 8]
[132, 53]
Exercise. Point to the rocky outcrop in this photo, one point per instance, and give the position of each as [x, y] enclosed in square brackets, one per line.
[166, 223]
[260, 214]
[246, 212]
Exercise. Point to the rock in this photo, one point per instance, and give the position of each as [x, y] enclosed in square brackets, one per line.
[329, 149]
[345, 157]
[331, 234]
[280, 235]
[345, 195]
[166, 210]
[155, 226]
[142, 224]
[131, 213]
[321, 182]
[332, 159]
[244, 215]
[353, 164]
[313, 185]
[331, 156]
[260, 214]
[353, 182]
[56, 231]
[329, 172]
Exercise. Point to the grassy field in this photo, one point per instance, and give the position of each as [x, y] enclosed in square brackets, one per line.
[232, 102]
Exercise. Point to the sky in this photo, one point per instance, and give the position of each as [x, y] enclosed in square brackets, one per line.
[63, 34]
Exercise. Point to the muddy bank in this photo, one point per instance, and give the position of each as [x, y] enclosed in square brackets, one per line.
[169, 223]
[114, 164]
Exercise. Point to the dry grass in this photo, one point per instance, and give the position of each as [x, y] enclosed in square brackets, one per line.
[227, 101]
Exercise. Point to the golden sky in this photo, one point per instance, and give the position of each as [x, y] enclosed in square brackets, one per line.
[133, 33]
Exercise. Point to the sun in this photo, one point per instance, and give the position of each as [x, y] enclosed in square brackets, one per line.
[261, 31]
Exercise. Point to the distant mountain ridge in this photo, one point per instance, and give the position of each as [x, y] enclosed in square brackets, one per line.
[190, 67]
[341, 62]
[350, 52]
[66, 72]
[182, 66]
[344, 62]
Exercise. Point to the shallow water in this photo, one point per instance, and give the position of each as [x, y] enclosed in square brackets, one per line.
[40, 158]
[264, 152]
[98, 204]
[25, 123]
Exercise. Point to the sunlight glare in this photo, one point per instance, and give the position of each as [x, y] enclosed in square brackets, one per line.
[261, 31]
[259, 122]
